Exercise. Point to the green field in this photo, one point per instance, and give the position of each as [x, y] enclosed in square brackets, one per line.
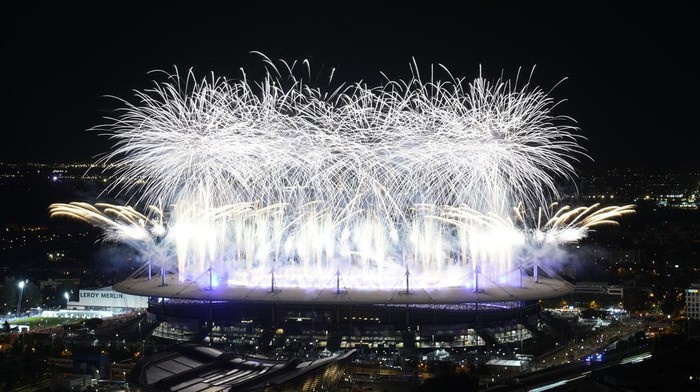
[43, 322]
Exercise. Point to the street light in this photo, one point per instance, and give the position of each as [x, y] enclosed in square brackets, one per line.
[19, 301]
[67, 297]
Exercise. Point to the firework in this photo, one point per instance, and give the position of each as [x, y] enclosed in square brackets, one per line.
[277, 178]
[568, 225]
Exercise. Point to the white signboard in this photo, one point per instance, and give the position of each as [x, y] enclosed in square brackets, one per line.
[111, 298]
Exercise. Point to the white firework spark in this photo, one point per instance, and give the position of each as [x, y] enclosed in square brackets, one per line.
[568, 225]
[369, 183]
[122, 224]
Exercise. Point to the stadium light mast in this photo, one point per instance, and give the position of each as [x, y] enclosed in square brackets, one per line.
[19, 300]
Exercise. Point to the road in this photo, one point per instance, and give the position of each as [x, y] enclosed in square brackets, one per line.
[558, 376]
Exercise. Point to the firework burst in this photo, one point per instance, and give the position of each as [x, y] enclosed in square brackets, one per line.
[371, 184]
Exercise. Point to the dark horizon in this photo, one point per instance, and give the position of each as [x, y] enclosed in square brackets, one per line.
[617, 71]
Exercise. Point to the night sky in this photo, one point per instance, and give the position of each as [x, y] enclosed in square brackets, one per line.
[628, 72]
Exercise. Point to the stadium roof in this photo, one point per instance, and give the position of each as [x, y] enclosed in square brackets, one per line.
[173, 288]
[189, 367]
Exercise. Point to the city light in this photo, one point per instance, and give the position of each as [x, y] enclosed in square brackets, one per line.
[19, 300]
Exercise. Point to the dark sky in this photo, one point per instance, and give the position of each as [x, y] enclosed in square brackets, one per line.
[629, 74]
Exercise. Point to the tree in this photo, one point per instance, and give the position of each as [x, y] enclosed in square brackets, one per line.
[8, 295]
[67, 286]
[31, 296]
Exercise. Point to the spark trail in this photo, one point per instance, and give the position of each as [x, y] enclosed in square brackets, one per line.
[279, 177]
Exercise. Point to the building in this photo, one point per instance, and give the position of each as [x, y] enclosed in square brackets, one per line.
[57, 283]
[99, 303]
[107, 300]
[310, 327]
[191, 367]
[73, 383]
[598, 288]
[692, 302]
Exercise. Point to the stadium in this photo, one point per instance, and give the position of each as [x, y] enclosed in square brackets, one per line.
[309, 211]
